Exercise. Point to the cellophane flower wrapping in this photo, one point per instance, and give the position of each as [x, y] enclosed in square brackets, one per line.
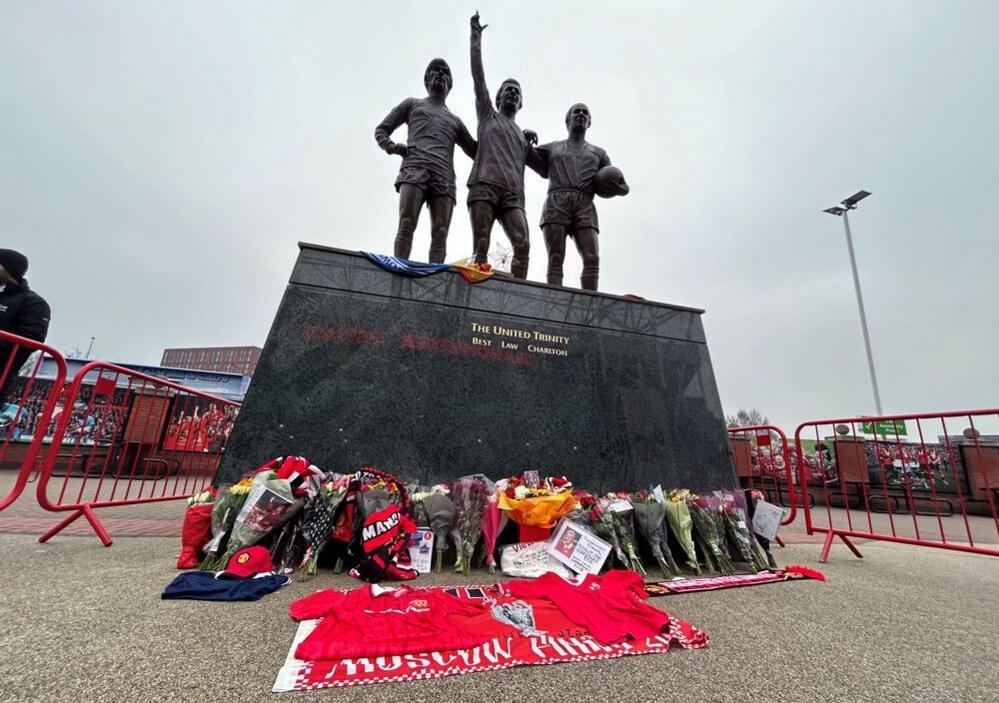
[537, 506]
[681, 526]
[621, 512]
[603, 526]
[582, 514]
[739, 534]
[440, 510]
[262, 519]
[470, 495]
[317, 523]
[650, 516]
[493, 522]
[706, 529]
[416, 507]
[228, 503]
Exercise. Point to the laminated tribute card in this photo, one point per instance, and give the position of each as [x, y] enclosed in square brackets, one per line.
[578, 548]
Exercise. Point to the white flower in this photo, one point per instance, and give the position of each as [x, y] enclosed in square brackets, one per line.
[520, 492]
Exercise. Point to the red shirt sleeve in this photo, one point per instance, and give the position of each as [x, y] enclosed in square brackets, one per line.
[318, 605]
[628, 580]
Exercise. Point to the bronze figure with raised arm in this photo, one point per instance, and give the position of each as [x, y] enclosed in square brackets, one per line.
[496, 184]
[426, 175]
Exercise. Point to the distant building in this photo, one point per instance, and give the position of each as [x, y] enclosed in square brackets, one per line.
[230, 386]
[239, 360]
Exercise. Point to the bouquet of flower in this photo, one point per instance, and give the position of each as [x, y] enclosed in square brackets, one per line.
[681, 526]
[707, 533]
[537, 506]
[196, 530]
[269, 504]
[317, 523]
[603, 526]
[650, 515]
[470, 496]
[621, 510]
[440, 510]
[737, 529]
[583, 512]
[228, 503]
[419, 512]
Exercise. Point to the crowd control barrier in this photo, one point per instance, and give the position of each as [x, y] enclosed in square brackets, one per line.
[126, 438]
[28, 401]
[928, 479]
[763, 462]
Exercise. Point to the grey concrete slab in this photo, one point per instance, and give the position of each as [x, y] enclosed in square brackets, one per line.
[82, 623]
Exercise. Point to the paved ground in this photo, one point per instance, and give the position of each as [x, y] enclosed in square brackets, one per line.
[24, 516]
[82, 623]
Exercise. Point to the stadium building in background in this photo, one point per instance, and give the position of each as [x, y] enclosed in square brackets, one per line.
[241, 360]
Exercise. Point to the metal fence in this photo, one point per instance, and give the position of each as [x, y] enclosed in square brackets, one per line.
[763, 462]
[129, 439]
[871, 479]
[27, 406]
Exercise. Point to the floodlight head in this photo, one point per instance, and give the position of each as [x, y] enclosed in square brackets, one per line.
[837, 211]
[851, 202]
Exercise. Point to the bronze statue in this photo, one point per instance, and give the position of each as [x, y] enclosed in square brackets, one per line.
[571, 167]
[426, 175]
[496, 184]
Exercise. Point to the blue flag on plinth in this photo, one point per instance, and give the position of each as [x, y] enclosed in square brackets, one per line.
[404, 267]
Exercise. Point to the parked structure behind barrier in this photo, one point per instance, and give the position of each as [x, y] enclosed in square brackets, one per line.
[927, 479]
[130, 439]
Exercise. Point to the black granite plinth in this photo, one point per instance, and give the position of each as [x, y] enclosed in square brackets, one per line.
[434, 378]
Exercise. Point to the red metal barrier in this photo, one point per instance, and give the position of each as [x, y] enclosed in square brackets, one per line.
[27, 403]
[929, 479]
[763, 462]
[128, 438]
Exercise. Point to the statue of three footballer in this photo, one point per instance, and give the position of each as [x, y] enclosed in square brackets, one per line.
[575, 169]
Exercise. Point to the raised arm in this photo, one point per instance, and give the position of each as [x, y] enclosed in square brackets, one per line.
[483, 105]
[392, 121]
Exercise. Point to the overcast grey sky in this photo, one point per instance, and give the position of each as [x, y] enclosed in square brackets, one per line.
[161, 160]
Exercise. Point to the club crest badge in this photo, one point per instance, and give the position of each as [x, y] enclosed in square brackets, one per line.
[517, 614]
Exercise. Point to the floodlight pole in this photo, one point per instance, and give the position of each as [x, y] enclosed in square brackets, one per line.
[860, 306]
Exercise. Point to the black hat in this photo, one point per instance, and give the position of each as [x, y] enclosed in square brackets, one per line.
[15, 263]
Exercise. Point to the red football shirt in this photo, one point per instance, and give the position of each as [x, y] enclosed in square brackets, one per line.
[370, 623]
[610, 607]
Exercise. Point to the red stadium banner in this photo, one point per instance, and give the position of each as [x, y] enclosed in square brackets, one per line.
[498, 653]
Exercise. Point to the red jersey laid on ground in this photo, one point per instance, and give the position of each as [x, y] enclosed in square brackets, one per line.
[371, 621]
[609, 607]
[375, 622]
[515, 624]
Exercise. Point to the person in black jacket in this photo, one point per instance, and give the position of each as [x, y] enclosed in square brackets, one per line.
[22, 312]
